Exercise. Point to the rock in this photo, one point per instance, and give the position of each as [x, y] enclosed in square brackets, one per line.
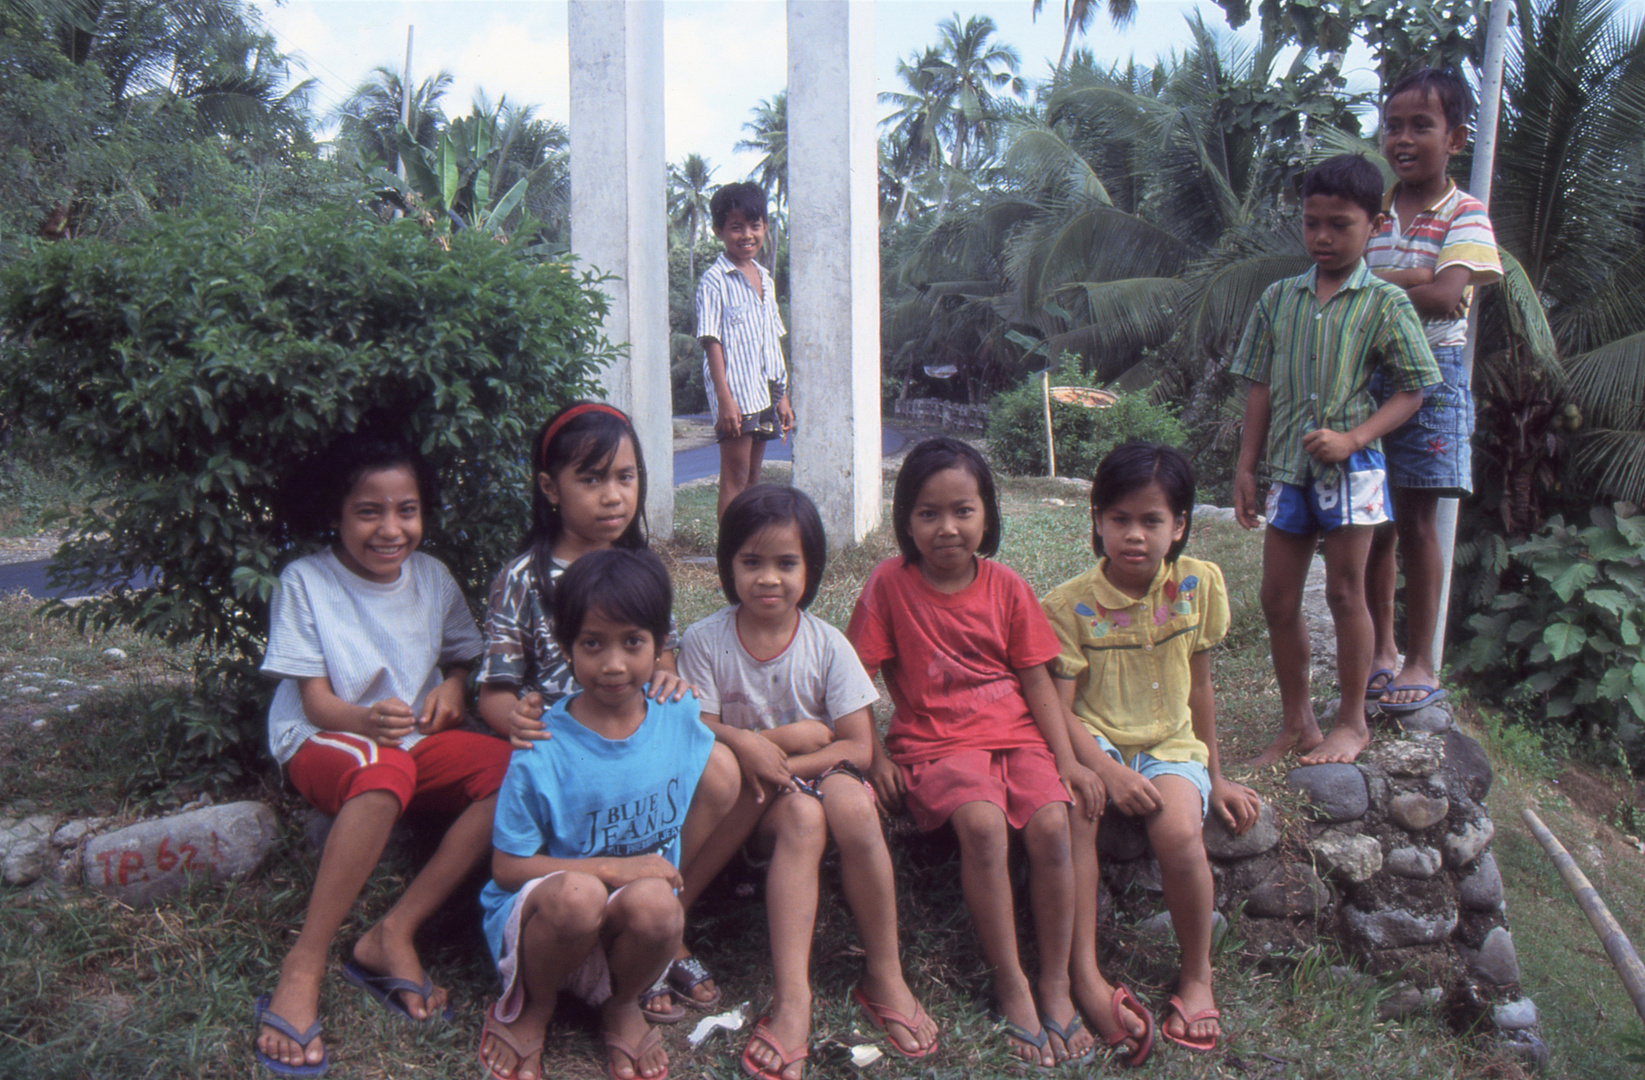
[1432, 997]
[1207, 512]
[1354, 857]
[38, 725]
[1465, 760]
[1494, 961]
[1378, 787]
[1147, 876]
[1335, 792]
[1159, 927]
[72, 832]
[71, 708]
[1395, 928]
[25, 860]
[1262, 836]
[1415, 756]
[64, 682]
[1289, 890]
[65, 869]
[1415, 811]
[1432, 719]
[1463, 847]
[1481, 888]
[1401, 1002]
[1529, 1049]
[1123, 837]
[114, 654]
[1413, 862]
[155, 858]
[1516, 1015]
[26, 691]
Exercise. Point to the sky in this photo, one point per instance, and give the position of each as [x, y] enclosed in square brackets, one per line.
[721, 59]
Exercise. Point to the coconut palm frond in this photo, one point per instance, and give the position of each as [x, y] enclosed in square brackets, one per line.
[1614, 309]
[1099, 244]
[1330, 141]
[1231, 294]
[1608, 383]
[1612, 462]
[1118, 317]
[1526, 319]
[1045, 155]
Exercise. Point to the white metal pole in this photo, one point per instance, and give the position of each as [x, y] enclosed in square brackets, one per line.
[405, 100]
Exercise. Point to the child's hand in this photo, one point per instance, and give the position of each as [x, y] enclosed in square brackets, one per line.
[764, 764]
[730, 423]
[619, 872]
[525, 724]
[1245, 499]
[1089, 792]
[1132, 793]
[388, 721]
[1236, 804]
[443, 707]
[785, 415]
[888, 783]
[665, 682]
[1329, 447]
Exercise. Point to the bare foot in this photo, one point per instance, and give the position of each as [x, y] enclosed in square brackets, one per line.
[1017, 1006]
[1097, 1003]
[790, 1025]
[1058, 1008]
[1411, 676]
[1196, 998]
[1288, 741]
[1342, 746]
[895, 995]
[383, 952]
[514, 1051]
[633, 1047]
[296, 1000]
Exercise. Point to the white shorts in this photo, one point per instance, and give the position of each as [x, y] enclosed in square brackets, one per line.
[591, 981]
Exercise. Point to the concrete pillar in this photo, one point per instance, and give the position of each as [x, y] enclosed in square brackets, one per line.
[834, 262]
[619, 214]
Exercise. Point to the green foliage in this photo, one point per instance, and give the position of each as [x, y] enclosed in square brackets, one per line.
[192, 369]
[1016, 426]
[1569, 633]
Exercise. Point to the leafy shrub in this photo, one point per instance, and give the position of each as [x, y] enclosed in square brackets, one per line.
[1568, 631]
[1016, 427]
[191, 369]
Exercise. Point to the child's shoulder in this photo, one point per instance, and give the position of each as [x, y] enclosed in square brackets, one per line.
[1187, 568]
[710, 626]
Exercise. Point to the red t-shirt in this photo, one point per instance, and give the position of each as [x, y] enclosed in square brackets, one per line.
[951, 659]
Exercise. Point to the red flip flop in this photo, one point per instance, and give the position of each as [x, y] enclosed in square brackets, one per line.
[880, 1015]
[785, 1058]
[1124, 999]
[1199, 1045]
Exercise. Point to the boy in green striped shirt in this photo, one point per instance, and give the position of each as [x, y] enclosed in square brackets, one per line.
[1309, 352]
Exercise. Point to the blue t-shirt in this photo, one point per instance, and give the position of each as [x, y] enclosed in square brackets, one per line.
[579, 795]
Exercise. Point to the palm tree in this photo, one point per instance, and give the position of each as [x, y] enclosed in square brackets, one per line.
[1076, 15]
[918, 121]
[768, 135]
[688, 199]
[972, 70]
[369, 116]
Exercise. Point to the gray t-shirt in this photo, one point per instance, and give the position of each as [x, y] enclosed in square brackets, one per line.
[818, 677]
[373, 641]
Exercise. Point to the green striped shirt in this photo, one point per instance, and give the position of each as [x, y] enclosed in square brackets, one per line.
[1317, 359]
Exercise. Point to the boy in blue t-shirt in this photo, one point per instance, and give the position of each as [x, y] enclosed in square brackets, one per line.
[586, 839]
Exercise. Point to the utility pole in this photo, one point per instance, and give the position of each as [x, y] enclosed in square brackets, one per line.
[405, 101]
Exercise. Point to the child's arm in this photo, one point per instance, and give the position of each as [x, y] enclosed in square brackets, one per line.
[513, 871]
[851, 741]
[1328, 447]
[1129, 791]
[443, 707]
[1253, 436]
[515, 716]
[1235, 803]
[885, 775]
[385, 722]
[800, 737]
[1037, 688]
[665, 679]
[761, 760]
[730, 422]
[1435, 296]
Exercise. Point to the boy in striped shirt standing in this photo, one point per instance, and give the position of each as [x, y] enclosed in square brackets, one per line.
[1436, 243]
[740, 328]
[1309, 351]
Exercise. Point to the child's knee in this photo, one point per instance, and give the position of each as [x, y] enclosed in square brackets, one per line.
[799, 820]
[570, 904]
[651, 910]
[721, 781]
[981, 829]
[852, 818]
[1047, 834]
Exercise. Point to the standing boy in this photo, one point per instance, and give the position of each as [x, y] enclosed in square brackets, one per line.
[740, 328]
[1435, 243]
[1309, 351]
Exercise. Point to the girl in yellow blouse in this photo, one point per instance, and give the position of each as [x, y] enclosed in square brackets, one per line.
[1135, 682]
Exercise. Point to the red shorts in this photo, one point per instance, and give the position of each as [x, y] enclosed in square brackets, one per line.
[1019, 781]
[444, 773]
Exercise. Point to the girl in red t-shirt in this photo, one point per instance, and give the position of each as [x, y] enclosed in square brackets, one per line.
[978, 738]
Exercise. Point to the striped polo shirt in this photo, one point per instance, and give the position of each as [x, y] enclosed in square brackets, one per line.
[1317, 359]
[1454, 231]
[749, 329]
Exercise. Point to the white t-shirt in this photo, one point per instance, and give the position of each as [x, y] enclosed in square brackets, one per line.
[817, 677]
[373, 641]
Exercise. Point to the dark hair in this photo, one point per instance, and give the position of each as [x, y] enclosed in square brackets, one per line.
[758, 508]
[1452, 90]
[745, 196]
[625, 585]
[1131, 467]
[586, 442]
[312, 500]
[1347, 176]
[923, 462]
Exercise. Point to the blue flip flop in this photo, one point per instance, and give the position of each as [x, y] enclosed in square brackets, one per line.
[261, 1015]
[1066, 1033]
[1431, 694]
[385, 987]
[1375, 688]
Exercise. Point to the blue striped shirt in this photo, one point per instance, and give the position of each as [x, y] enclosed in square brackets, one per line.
[749, 329]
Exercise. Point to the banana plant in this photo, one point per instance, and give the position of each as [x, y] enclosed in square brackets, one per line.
[452, 182]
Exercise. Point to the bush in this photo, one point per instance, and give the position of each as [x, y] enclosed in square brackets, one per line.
[1016, 427]
[1567, 633]
[193, 368]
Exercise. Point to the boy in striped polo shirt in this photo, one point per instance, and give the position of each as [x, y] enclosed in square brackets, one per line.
[1309, 351]
[1436, 243]
[740, 328]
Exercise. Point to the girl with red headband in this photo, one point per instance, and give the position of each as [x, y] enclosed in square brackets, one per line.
[588, 494]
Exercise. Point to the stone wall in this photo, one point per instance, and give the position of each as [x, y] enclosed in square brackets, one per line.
[1388, 859]
[950, 414]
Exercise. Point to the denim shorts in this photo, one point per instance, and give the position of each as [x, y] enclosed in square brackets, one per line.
[1431, 450]
[1351, 492]
[1149, 766]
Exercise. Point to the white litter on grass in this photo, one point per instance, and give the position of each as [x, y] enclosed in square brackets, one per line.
[730, 1021]
[865, 1055]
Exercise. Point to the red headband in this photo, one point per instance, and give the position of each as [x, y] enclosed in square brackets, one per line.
[571, 414]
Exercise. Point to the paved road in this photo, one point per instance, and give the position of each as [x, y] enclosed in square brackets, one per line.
[689, 465]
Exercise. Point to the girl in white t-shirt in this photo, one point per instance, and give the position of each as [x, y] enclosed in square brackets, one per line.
[786, 692]
[373, 644]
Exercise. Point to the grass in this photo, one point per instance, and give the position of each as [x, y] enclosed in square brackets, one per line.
[89, 987]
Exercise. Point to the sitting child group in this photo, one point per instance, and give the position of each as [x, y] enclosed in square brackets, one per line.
[620, 764]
